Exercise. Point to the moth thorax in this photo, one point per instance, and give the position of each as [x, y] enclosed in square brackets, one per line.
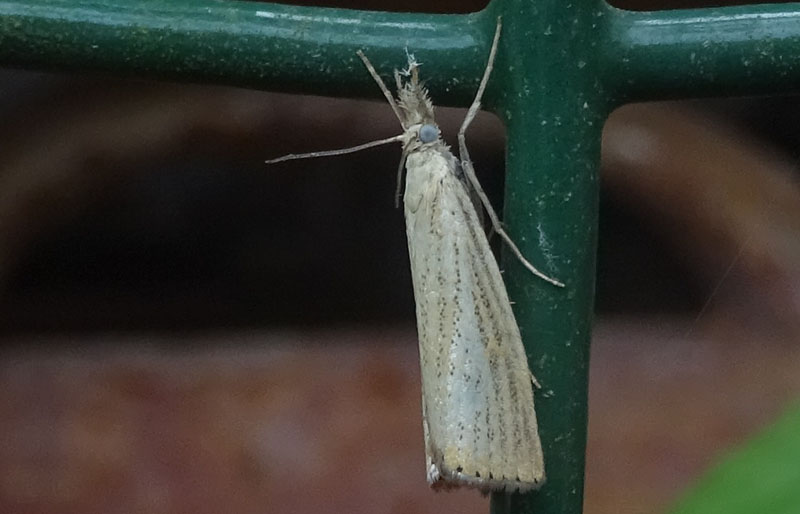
[428, 133]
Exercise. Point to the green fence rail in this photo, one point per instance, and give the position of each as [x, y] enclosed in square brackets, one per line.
[562, 67]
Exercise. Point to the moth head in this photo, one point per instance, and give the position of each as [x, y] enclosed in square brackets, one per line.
[419, 135]
[428, 133]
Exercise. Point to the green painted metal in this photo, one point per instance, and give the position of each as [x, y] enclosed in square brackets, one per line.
[253, 44]
[562, 67]
[744, 50]
[547, 92]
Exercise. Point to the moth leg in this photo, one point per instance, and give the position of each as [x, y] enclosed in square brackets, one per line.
[399, 186]
[469, 171]
[534, 381]
[498, 228]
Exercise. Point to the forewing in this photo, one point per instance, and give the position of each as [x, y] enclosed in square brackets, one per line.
[480, 422]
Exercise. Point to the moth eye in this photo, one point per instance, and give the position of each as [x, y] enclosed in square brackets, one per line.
[428, 133]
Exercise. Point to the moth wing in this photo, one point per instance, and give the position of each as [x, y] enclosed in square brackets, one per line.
[479, 419]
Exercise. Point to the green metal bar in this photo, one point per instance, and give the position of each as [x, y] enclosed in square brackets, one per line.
[554, 110]
[743, 50]
[260, 45]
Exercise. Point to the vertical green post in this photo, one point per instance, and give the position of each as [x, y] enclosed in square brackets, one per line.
[554, 111]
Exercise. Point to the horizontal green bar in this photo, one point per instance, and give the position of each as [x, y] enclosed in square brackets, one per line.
[253, 44]
[743, 50]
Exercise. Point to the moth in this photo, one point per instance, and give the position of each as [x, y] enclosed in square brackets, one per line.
[478, 414]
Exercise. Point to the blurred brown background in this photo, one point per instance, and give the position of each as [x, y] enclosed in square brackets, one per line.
[185, 330]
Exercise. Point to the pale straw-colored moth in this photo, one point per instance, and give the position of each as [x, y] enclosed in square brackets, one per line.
[477, 390]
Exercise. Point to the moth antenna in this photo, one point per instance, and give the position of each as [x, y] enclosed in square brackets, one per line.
[384, 89]
[341, 151]
[476, 103]
[469, 171]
